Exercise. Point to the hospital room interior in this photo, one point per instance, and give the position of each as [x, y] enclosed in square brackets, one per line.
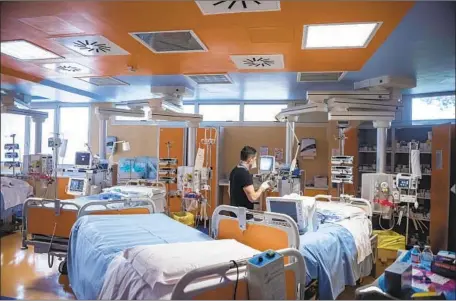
[262, 150]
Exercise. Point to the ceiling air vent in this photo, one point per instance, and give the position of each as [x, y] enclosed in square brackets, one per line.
[260, 61]
[319, 76]
[227, 7]
[103, 81]
[67, 68]
[170, 41]
[91, 45]
[204, 79]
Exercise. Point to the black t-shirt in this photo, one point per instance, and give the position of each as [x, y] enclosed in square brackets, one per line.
[240, 178]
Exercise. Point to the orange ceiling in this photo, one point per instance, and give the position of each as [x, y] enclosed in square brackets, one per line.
[243, 33]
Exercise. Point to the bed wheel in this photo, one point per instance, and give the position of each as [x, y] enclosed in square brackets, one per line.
[63, 268]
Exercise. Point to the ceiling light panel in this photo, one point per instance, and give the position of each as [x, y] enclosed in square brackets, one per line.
[203, 79]
[319, 76]
[51, 25]
[67, 68]
[91, 45]
[103, 81]
[23, 50]
[345, 35]
[170, 41]
[258, 62]
[227, 7]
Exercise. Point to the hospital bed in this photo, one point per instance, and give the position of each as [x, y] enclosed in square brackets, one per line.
[103, 240]
[14, 192]
[342, 249]
[47, 223]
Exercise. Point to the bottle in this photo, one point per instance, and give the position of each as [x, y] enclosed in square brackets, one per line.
[427, 257]
[415, 256]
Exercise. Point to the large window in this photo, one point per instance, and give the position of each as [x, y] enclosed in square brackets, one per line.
[48, 131]
[12, 124]
[219, 112]
[264, 112]
[189, 109]
[74, 126]
[432, 108]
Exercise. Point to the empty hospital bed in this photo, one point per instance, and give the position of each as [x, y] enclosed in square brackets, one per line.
[14, 192]
[47, 223]
[97, 240]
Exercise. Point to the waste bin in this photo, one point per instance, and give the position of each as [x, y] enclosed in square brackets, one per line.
[185, 218]
[389, 243]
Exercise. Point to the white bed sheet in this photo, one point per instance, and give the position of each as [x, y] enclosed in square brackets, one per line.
[15, 192]
[151, 272]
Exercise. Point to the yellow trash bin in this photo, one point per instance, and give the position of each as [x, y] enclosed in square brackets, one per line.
[389, 242]
[185, 218]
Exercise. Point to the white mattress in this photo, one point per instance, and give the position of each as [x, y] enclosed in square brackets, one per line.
[151, 272]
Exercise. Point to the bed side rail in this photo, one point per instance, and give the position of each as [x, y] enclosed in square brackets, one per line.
[147, 183]
[363, 204]
[223, 278]
[141, 206]
[267, 230]
[48, 217]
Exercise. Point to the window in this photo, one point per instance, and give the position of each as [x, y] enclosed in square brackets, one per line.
[432, 108]
[258, 112]
[12, 124]
[146, 110]
[219, 112]
[189, 109]
[74, 126]
[47, 132]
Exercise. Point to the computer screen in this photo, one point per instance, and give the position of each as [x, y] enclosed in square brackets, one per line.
[83, 159]
[266, 164]
[76, 185]
[288, 208]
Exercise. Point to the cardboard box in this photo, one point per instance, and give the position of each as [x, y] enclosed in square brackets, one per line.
[384, 260]
[398, 278]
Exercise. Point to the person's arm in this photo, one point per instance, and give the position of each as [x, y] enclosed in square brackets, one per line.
[253, 195]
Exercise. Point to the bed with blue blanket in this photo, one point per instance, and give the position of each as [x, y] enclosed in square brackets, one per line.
[331, 252]
[102, 237]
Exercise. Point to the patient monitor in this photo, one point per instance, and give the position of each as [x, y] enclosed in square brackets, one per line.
[83, 160]
[267, 164]
[300, 208]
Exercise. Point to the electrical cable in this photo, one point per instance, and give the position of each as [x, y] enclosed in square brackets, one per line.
[51, 257]
[237, 278]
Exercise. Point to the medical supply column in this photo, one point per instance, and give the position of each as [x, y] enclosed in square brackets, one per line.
[38, 132]
[382, 128]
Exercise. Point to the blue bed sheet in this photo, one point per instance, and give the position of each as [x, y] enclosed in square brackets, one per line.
[96, 239]
[331, 257]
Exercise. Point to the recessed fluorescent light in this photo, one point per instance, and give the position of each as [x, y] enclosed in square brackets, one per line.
[345, 35]
[23, 50]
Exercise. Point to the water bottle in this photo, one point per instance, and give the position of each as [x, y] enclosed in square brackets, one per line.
[415, 256]
[426, 258]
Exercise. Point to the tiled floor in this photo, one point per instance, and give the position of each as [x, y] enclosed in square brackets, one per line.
[25, 275]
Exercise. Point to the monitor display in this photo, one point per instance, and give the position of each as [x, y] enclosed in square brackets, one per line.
[403, 183]
[83, 159]
[288, 208]
[77, 185]
[266, 164]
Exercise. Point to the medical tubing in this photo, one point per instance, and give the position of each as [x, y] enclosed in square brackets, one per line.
[51, 262]
[237, 278]
[392, 217]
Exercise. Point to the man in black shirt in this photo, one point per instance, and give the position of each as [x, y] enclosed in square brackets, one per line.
[242, 193]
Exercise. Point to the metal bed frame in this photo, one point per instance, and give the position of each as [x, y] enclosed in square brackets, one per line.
[55, 242]
[225, 274]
